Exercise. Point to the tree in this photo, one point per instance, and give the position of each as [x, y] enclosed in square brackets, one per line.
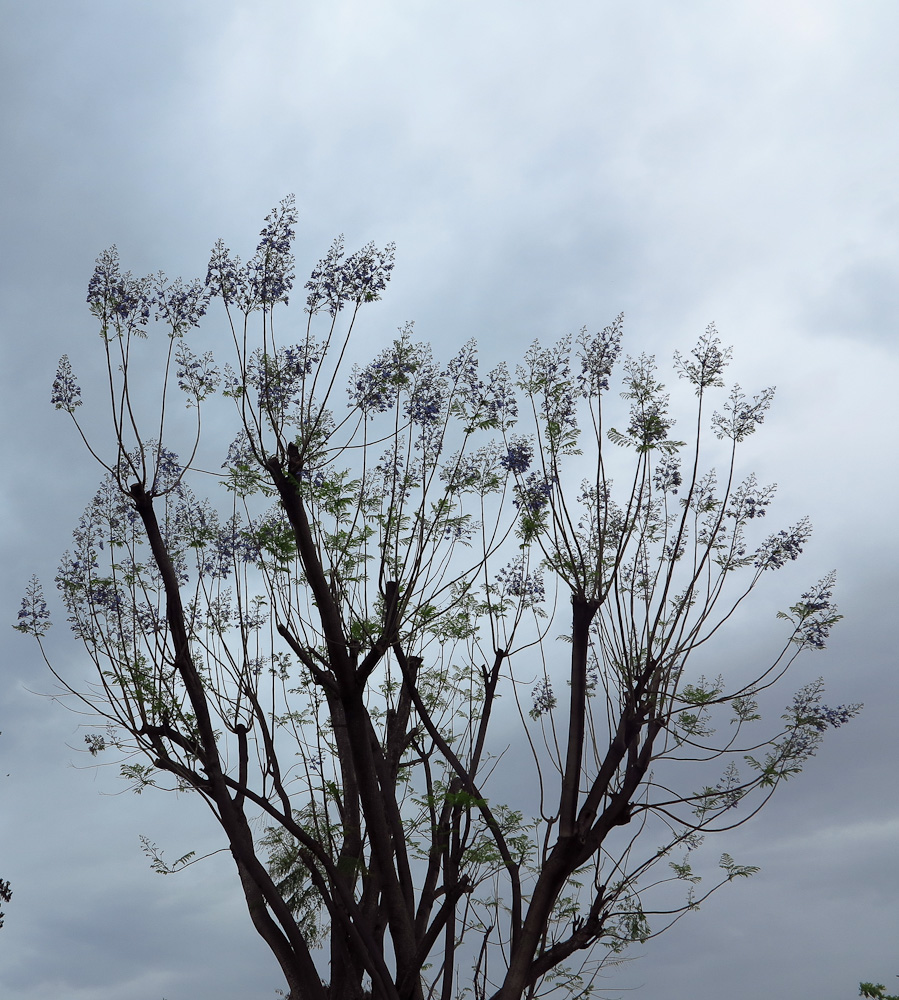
[875, 991]
[322, 658]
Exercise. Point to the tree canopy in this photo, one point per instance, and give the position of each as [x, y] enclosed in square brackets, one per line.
[425, 641]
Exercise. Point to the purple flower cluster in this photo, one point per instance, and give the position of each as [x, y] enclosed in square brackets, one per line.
[406, 366]
[388, 479]
[149, 619]
[34, 615]
[375, 387]
[815, 614]
[226, 278]
[232, 545]
[708, 361]
[514, 580]
[361, 277]
[66, 391]
[240, 451]
[118, 299]
[667, 475]
[271, 269]
[807, 711]
[749, 500]
[463, 376]
[104, 598]
[782, 546]
[740, 418]
[499, 395]
[197, 376]
[533, 493]
[519, 456]
[598, 354]
[268, 276]
[101, 522]
[424, 405]
[167, 472]
[181, 306]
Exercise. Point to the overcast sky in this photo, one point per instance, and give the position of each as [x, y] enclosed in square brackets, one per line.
[540, 166]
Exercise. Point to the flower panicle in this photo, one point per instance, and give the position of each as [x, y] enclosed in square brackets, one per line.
[338, 279]
[34, 615]
[66, 393]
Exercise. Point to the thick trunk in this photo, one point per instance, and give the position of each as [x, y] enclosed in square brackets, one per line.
[284, 936]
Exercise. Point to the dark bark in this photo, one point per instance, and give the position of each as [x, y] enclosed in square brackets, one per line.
[284, 938]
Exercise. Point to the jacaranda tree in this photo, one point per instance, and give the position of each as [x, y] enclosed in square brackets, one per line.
[430, 668]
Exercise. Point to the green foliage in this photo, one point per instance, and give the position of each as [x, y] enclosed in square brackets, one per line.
[875, 991]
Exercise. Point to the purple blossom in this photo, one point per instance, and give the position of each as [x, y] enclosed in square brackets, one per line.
[167, 473]
[181, 306]
[518, 457]
[388, 478]
[464, 380]
[749, 500]
[66, 391]
[533, 493]
[150, 620]
[336, 280]
[233, 545]
[226, 278]
[375, 387]
[708, 361]
[667, 475]
[240, 451]
[598, 354]
[153, 463]
[118, 299]
[807, 712]
[499, 396]
[741, 418]
[815, 614]
[103, 596]
[782, 546]
[424, 405]
[515, 581]
[271, 270]
[406, 366]
[34, 615]
[268, 276]
[835, 717]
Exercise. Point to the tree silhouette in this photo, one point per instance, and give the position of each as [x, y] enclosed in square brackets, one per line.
[431, 669]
